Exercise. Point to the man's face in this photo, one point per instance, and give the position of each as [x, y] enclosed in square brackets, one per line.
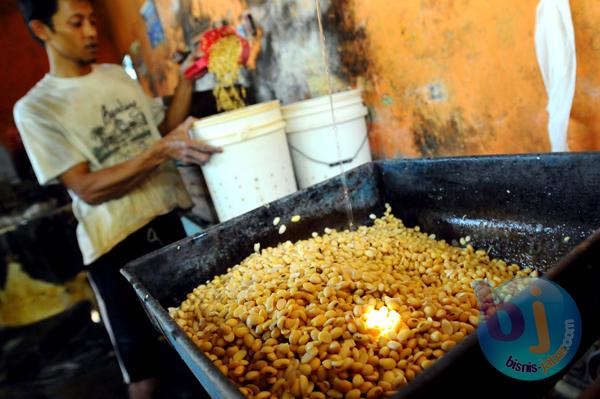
[74, 35]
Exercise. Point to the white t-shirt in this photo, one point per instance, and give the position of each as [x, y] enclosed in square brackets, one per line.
[103, 118]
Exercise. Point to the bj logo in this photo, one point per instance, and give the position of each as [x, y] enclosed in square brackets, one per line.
[530, 328]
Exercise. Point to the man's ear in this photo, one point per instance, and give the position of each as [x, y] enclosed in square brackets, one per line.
[40, 30]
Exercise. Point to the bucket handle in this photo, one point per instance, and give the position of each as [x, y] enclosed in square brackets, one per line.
[243, 134]
[333, 164]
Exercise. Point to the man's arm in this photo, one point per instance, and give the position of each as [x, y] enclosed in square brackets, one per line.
[179, 108]
[104, 185]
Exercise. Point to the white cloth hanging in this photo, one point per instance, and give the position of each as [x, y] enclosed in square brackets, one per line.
[555, 48]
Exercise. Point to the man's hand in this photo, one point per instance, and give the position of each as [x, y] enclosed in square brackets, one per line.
[194, 56]
[118, 180]
[255, 49]
[179, 146]
[180, 105]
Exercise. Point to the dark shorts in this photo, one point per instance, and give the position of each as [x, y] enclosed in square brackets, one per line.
[134, 338]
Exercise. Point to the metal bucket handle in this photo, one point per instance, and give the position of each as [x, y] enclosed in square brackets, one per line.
[344, 161]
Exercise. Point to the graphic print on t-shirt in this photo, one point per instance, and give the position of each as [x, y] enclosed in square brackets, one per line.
[124, 133]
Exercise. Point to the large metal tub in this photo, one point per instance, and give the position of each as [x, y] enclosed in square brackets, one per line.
[521, 208]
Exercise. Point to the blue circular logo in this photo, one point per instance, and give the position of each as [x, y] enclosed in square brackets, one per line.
[529, 328]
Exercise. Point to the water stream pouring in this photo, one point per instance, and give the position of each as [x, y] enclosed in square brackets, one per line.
[347, 202]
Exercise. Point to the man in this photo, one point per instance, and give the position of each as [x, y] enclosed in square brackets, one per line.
[92, 128]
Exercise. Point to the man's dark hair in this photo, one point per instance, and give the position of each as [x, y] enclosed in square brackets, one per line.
[42, 10]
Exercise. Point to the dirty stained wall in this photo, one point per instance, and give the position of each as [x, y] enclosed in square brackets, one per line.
[443, 77]
[584, 131]
[454, 77]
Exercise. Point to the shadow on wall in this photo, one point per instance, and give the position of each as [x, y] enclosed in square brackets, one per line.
[452, 136]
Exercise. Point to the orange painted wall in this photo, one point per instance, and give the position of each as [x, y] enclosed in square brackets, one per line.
[453, 77]
[584, 132]
[443, 77]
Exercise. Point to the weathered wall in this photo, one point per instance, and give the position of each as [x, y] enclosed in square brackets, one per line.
[461, 77]
[584, 132]
[126, 27]
[441, 77]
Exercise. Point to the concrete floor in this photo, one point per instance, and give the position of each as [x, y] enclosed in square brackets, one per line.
[70, 357]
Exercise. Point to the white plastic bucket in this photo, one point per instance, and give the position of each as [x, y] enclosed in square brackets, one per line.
[255, 167]
[309, 126]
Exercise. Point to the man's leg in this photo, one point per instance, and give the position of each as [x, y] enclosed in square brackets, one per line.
[133, 336]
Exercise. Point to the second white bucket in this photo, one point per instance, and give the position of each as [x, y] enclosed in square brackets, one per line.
[255, 167]
[312, 139]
